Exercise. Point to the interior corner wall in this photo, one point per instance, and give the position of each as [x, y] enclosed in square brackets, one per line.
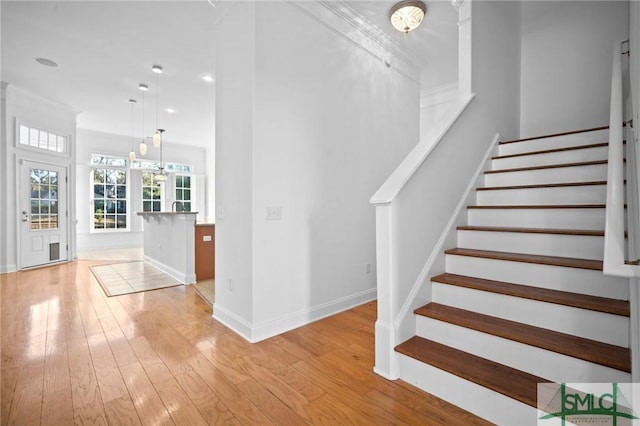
[234, 166]
[331, 123]
[566, 63]
[328, 123]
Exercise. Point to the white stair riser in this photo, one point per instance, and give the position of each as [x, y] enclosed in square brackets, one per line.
[482, 402]
[603, 327]
[555, 142]
[591, 194]
[569, 218]
[589, 173]
[561, 157]
[540, 362]
[574, 280]
[576, 246]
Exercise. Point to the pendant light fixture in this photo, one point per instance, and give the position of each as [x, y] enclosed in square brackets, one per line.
[132, 153]
[157, 136]
[407, 15]
[143, 146]
[162, 176]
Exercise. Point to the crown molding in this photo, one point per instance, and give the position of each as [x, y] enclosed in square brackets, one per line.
[39, 98]
[343, 19]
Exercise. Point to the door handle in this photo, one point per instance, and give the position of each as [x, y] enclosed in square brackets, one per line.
[25, 216]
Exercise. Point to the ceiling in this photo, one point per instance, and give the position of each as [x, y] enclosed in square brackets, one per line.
[104, 49]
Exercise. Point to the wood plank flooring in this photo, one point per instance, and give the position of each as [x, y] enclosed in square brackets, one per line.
[70, 355]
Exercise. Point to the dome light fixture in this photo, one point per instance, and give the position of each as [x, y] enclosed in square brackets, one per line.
[407, 15]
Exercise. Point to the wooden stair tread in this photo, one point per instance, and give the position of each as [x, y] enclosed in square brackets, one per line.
[576, 300]
[605, 354]
[583, 232]
[547, 166]
[552, 135]
[568, 262]
[551, 151]
[505, 380]
[542, 185]
[540, 206]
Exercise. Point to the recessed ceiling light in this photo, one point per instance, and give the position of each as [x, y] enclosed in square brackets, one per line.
[143, 87]
[208, 78]
[132, 101]
[157, 69]
[170, 110]
[47, 62]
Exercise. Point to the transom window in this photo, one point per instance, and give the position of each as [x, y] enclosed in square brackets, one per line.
[40, 139]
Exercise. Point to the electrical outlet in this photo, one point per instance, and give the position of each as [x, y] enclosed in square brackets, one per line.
[231, 285]
[368, 268]
[206, 238]
[274, 213]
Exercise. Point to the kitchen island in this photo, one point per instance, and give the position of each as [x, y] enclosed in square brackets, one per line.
[169, 243]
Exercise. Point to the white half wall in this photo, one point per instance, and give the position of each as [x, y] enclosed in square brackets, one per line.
[566, 63]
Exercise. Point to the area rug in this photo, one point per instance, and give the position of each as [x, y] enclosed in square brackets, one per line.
[131, 277]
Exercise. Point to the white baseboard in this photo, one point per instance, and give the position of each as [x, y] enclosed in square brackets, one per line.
[7, 269]
[258, 332]
[183, 278]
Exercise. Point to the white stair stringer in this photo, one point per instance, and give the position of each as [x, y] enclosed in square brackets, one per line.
[584, 138]
[554, 218]
[476, 399]
[600, 326]
[574, 280]
[540, 362]
[547, 158]
[591, 194]
[563, 245]
[574, 173]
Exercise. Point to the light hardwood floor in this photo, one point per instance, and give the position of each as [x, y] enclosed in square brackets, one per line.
[71, 355]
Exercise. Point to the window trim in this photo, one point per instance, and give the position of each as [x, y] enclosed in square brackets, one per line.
[127, 171]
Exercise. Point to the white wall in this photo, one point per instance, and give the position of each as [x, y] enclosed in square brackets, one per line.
[566, 63]
[436, 105]
[33, 111]
[426, 203]
[312, 124]
[91, 142]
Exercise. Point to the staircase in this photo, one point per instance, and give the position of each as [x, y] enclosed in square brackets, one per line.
[523, 299]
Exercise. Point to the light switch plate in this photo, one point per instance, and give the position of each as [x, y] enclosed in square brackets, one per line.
[274, 213]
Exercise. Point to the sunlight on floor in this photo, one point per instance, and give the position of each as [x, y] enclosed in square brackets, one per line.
[124, 254]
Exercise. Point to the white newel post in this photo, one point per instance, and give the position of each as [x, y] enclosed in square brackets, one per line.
[386, 362]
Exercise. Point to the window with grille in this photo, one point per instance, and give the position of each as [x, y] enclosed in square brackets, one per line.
[183, 193]
[109, 194]
[40, 139]
[151, 194]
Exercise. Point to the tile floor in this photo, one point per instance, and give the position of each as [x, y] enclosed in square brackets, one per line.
[131, 277]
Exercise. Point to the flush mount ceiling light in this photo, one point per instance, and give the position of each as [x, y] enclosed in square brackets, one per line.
[407, 15]
[207, 78]
[47, 62]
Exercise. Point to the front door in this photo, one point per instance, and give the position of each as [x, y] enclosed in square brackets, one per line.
[43, 214]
